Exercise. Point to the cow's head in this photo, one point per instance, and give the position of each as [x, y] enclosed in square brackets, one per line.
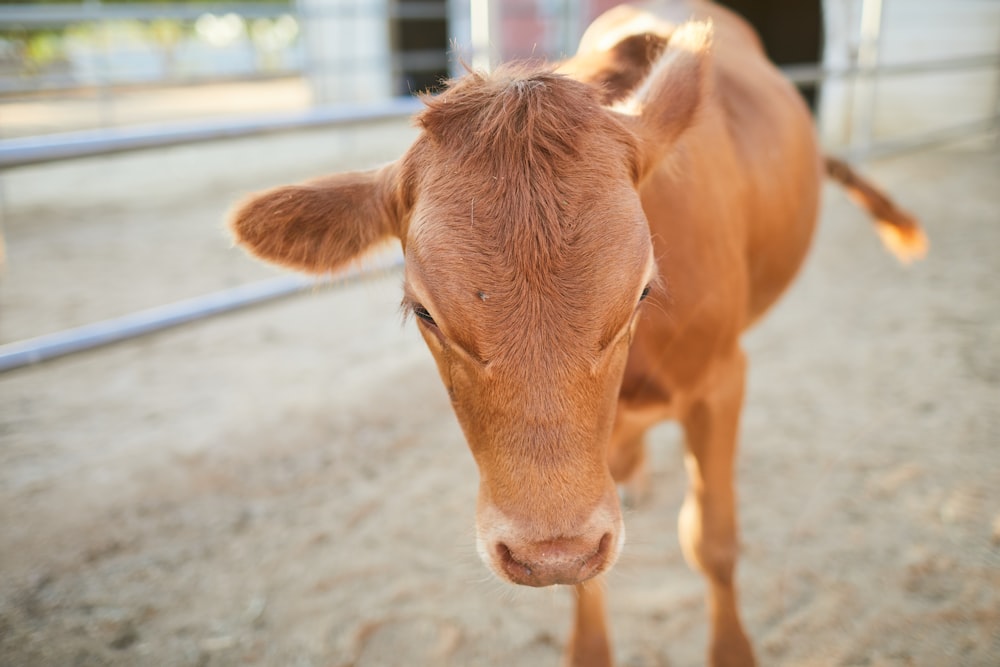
[527, 255]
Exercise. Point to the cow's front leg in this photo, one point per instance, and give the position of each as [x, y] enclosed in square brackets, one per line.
[589, 645]
[708, 525]
[627, 462]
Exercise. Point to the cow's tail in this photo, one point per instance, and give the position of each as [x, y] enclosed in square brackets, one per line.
[900, 231]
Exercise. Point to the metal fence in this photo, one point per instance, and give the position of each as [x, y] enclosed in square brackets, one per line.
[19, 152]
[69, 48]
[97, 54]
[863, 144]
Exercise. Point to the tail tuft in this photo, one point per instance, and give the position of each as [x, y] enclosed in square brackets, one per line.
[900, 232]
[907, 242]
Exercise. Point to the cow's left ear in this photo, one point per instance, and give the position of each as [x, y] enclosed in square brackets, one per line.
[321, 225]
[668, 101]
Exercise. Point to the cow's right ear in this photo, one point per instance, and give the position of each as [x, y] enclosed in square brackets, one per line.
[321, 225]
[668, 101]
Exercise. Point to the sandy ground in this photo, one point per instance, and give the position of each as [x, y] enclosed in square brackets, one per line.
[287, 485]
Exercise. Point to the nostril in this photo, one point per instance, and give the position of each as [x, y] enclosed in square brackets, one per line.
[605, 545]
[511, 564]
[598, 557]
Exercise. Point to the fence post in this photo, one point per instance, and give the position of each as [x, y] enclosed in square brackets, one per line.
[482, 20]
[862, 129]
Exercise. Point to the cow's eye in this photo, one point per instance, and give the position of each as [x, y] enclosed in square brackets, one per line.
[423, 314]
[645, 293]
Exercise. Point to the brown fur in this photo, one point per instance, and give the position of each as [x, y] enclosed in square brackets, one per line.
[534, 218]
[899, 230]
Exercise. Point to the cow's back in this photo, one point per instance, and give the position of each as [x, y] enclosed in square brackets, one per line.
[731, 208]
[775, 147]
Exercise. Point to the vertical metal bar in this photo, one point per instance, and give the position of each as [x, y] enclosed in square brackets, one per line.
[862, 130]
[481, 23]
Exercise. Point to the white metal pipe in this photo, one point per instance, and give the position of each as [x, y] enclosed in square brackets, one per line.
[68, 145]
[864, 85]
[35, 350]
[481, 25]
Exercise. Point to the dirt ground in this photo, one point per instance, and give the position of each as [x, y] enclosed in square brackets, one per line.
[287, 485]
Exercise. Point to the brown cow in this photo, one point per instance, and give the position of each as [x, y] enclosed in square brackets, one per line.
[669, 163]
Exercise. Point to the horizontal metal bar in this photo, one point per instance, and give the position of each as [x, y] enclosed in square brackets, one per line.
[15, 88]
[25, 151]
[892, 147]
[49, 16]
[39, 16]
[808, 73]
[36, 350]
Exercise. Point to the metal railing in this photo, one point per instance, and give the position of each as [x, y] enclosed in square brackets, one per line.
[94, 51]
[28, 151]
[19, 152]
[89, 30]
[31, 151]
[114, 330]
[867, 148]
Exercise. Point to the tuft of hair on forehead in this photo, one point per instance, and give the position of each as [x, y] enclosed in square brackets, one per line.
[513, 165]
[527, 114]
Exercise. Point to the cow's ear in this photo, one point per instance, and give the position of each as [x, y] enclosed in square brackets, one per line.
[616, 72]
[668, 101]
[321, 225]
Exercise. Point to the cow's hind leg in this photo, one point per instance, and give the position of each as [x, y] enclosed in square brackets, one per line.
[708, 526]
[589, 645]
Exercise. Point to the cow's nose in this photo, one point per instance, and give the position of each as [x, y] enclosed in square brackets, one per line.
[556, 561]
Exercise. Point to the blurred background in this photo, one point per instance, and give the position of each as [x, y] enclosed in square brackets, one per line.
[93, 64]
[286, 485]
